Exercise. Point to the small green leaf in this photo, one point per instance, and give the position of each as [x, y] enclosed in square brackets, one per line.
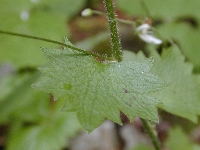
[100, 90]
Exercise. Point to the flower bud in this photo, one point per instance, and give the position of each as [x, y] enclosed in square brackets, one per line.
[86, 12]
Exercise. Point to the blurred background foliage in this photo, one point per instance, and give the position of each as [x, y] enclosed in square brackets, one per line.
[30, 119]
[42, 18]
[174, 20]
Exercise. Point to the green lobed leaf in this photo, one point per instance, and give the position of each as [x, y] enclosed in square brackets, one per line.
[100, 90]
[186, 37]
[182, 96]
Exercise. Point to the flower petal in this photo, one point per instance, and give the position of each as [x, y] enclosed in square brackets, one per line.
[143, 27]
[150, 39]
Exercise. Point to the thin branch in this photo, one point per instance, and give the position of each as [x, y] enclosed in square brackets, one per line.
[52, 41]
[145, 8]
[128, 22]
[153, 137]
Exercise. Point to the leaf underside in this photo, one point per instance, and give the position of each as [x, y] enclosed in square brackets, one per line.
[96, 91]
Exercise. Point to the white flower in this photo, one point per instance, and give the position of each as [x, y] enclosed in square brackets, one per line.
[146, 35]
[86, 12]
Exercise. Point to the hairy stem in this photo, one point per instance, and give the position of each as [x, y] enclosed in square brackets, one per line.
[116, 48]
[128, 22]
[115, 41]
[52, 41]
[150, 131]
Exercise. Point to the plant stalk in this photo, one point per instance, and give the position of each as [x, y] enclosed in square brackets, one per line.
[115, 41]
[116, 50]
[52, 41]
[144, 6]
[128, 22]
[151, 134]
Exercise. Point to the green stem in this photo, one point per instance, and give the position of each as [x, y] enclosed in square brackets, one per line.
[117, 19]
[150, 131]
[115, 41]
[145, 8]
[52, 41]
